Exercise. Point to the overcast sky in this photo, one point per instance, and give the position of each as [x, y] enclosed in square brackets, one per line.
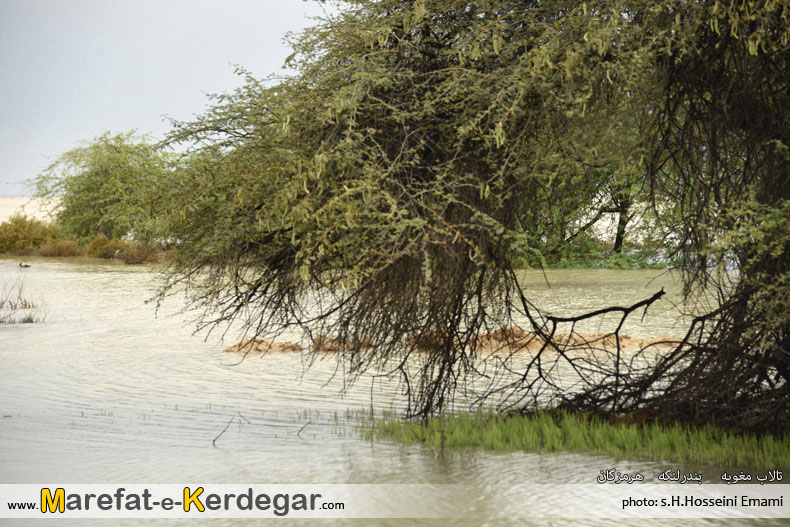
[72, 69]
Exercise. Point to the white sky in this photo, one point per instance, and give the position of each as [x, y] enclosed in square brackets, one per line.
[71, 70]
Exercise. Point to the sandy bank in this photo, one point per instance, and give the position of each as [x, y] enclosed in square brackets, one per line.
[506, 339]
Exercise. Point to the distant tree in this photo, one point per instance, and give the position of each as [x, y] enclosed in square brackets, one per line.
[104, 187]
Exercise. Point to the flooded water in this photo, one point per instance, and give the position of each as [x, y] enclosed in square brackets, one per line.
[104, 390]
[571, 292]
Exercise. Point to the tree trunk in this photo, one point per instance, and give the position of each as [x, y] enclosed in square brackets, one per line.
[623, 203]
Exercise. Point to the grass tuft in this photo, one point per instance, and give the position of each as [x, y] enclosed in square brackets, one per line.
[555, 431]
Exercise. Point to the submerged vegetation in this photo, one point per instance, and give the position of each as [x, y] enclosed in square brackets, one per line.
[15, 306]
[561, 431]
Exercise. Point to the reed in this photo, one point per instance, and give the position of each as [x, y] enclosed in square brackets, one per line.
[556, 431]
[15, 306]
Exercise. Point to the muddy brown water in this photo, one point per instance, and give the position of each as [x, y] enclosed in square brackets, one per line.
[104, 390]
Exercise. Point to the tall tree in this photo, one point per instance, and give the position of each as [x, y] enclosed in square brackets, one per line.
[389, 184]
[723, 156]
[382, 194]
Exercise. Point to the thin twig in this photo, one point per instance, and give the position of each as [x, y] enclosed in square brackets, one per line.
[303, 427]
[223, 431]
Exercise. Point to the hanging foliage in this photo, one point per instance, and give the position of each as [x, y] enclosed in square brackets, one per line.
[381, 195]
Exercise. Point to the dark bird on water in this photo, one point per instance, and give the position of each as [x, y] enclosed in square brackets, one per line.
[23, 264]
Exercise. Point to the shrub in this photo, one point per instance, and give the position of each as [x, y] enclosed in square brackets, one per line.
[139, 254]
[112, 249]
[96, 245]
[23, 235]
[61, 248]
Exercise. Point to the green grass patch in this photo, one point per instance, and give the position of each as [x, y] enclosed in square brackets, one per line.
[559, 431]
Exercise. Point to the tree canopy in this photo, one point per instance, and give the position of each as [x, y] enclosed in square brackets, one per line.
[105, 187]
[382, 194]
